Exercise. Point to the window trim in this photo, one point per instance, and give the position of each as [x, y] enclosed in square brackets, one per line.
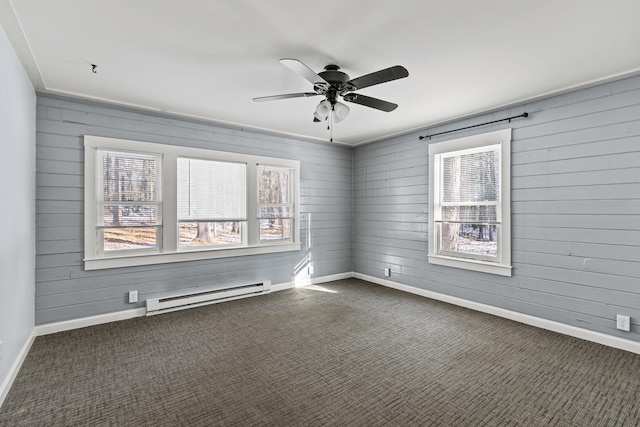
[291, 205]
[100, 251]
[241, 220]
[170, 252]
[503, 265]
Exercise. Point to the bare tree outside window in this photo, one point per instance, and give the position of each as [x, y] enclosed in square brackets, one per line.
[274, 202]
[130, 205]
[450, 234]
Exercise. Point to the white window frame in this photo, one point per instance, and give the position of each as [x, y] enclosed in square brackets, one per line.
[242, 220]
[100, 203]
[290, 205]
[502, 264]
[169, 250]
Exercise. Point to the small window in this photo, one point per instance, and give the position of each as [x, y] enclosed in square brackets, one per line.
[212, 203]
[469, 203]
[128, 203]
[275, 203]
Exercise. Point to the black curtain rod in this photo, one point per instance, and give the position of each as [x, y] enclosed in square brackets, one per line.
[475, 126]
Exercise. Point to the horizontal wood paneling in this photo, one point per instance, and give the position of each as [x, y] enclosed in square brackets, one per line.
[575, 202]
[575, 210]
[65, 291]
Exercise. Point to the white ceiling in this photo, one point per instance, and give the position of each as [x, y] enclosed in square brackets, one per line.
[208, 59]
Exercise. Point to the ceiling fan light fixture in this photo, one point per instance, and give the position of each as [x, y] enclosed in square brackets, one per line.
[340, 112]
[333, 83]
[322, 111]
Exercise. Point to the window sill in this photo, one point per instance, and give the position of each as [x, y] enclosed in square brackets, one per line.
[163, 258]
[474, 265]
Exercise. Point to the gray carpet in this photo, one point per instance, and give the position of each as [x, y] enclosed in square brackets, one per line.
[361, 355]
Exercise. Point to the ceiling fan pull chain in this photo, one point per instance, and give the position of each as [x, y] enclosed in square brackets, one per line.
[330, 125]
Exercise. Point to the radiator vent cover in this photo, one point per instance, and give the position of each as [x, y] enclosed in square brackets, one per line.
[205, 295]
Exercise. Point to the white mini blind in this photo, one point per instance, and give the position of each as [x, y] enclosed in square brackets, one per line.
[472, 177]
[211, 190]
[471, 185]
[128, 189]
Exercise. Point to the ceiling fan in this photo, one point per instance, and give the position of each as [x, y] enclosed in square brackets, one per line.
[333, 83]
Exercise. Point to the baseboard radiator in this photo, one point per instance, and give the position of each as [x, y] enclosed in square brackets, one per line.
[203, 296]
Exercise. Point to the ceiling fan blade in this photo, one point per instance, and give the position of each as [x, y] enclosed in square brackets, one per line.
[368, 101]
[303, 70]
[382, 76]
[284, 96]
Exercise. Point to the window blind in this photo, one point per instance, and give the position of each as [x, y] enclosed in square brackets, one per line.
[211, 190]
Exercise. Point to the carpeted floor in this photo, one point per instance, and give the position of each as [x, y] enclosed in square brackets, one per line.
[346, 353]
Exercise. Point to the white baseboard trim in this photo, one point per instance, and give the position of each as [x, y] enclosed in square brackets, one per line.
[309, 281]
[15, 368]
[585, 334]
[67, 325]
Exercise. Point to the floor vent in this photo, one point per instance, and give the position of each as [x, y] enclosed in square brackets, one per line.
[203, 296]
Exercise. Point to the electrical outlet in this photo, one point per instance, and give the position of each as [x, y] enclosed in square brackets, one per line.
[310, 270]
[623, 323]
[387, 272]
[133, 297]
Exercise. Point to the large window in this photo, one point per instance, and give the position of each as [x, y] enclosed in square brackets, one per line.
[469, 209]
[154, 203]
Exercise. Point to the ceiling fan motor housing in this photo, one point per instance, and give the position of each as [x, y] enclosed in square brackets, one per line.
[337, 83]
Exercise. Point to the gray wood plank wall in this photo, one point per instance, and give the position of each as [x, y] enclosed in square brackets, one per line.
[575, 209]
[65, 291]
[575, 203]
